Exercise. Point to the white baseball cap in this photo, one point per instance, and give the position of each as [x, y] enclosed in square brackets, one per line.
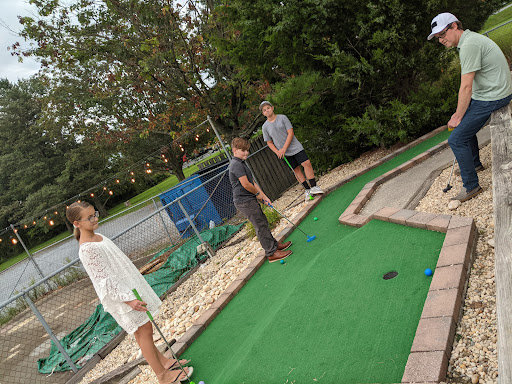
[265, 103]
[440, 22]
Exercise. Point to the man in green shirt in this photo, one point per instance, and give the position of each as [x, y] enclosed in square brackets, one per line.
[486, 85]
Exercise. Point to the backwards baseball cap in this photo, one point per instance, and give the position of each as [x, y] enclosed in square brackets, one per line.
[440, 22]
[263, 103]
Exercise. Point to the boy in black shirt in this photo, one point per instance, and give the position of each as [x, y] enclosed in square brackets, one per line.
[246, 194]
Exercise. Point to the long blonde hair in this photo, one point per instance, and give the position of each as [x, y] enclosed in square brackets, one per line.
[73, 213]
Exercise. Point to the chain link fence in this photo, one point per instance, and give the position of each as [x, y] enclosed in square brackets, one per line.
[51, 329]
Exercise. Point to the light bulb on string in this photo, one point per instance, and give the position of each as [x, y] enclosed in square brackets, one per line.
[118, 181]
[1, 240]
[92, 194]
[132, 180]
[197, 137]
[25, 226]
[44, 218]
[166, 160]
[55, 213]
[34, 223]
[14, 241]
[51, 222]
[110, 192]
[131, 173]
[207, 129]
[104, 188]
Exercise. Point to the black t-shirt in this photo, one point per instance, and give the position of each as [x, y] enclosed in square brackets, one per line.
[237, 169]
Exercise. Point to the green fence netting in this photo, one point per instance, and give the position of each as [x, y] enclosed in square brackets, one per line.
[100, 328]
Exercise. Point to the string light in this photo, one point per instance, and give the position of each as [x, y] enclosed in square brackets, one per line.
[14, 241]
[1, 239]
[162, 151]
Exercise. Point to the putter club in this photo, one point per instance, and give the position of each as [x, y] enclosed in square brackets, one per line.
[448, 186]
[310, 238]
[161, 334]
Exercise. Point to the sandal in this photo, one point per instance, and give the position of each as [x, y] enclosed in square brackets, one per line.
[182, 376]
[176, 366]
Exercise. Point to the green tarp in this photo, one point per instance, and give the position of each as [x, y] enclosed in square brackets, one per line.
[97, 331]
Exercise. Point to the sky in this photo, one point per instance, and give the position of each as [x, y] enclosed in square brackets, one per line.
[10, 68]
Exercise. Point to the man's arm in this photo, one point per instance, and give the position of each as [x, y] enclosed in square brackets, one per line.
[465, 91]
[253, 188]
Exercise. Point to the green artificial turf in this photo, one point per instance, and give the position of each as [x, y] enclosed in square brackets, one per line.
[327, 314]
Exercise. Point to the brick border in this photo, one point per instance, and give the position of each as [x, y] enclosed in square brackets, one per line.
[432, 344]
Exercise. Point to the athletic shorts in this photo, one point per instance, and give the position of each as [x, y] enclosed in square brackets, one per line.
[297, 159]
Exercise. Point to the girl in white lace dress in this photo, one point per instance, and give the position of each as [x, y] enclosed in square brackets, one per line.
[113, 276]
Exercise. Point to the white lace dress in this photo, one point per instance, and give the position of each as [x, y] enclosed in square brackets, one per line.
[113, 276]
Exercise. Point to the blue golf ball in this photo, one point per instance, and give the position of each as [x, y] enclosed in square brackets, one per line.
[201, 382]
[282, 261]
[428, 272]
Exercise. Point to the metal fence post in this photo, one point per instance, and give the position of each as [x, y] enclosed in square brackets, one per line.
[190, 221]
[49, 330]
[163, 221]
[30, 256]
[218, 137]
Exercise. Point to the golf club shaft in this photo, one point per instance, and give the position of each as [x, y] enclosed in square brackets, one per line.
[284, 217]
[451, 173]
[161, 334]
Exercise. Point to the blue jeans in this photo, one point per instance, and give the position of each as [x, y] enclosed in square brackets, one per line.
[463, 140]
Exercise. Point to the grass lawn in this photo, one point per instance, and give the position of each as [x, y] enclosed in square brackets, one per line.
[146, 195]
[497, 19]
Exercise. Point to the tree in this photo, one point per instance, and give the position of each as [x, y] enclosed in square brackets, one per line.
[131, 67]
[368, 63]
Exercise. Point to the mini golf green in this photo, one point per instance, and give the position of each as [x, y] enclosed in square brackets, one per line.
[327, 314]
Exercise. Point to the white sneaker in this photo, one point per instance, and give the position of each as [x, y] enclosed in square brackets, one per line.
[307, 195]
[316, 190]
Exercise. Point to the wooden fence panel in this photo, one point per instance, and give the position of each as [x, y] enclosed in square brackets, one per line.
[501, 139]
[273, 175]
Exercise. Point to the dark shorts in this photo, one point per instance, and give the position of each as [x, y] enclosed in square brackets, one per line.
[297, 159]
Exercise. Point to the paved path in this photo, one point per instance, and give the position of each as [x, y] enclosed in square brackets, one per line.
[406, 190]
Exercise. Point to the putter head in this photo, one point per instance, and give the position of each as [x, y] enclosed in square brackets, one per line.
[448, 187]
[310, 239]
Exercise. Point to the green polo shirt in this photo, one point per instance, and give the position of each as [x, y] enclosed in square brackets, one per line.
[481, 55]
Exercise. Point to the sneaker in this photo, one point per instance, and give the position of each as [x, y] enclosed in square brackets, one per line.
[307, 195]
[478, 169]
[316, 190]
[279, 255]
[466, 195]
[283, 246]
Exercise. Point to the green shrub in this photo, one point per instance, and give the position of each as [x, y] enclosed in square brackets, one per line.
[272, 217]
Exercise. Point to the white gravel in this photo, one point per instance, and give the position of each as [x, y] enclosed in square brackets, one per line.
[474, 351]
